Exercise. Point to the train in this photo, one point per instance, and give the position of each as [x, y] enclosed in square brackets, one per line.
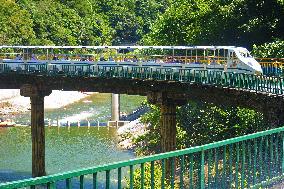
[212, 58]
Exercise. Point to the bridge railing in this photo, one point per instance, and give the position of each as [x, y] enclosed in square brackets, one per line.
[250, 161]
[258, 83]
[272, 66]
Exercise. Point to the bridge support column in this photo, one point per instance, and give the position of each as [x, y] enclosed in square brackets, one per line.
[168, 128]
[115, 107]
[168, 132]
[37, 126]
[168, 106]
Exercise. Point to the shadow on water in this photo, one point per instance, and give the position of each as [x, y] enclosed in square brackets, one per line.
[10, 175]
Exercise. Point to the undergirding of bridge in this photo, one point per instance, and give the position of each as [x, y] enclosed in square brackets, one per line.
[168, 94]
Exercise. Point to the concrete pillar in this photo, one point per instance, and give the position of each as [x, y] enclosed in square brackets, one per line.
[37, 95]
[38, 136]
[168, 106]
[168, 132]
[115, 109]
[168, 127]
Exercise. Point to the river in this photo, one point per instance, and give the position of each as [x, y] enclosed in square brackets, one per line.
[94, 108]
[66, 148]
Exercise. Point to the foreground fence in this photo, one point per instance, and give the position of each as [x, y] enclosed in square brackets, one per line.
[250, 161]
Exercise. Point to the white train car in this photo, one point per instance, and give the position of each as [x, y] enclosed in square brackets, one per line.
[82, 58]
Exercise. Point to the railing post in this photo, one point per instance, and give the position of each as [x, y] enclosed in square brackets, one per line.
[224, 174]
[254, 161]
[237, 166]
[119, 178]
[282, 154]
[68, 183]
[190, 171]
[243, 165]
[51, 185]
[202, 174]
[181, 171]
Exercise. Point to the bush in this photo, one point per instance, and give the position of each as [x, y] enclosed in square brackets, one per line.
[198, 124]
[273, 49]
[149, 143]
[147, 177]
[206, 123]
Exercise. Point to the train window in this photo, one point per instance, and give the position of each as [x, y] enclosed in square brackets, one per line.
[245, 54]
[232, 55]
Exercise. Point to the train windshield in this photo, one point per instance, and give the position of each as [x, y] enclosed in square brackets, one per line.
[244, 52]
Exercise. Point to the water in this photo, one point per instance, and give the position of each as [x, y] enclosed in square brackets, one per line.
[66, 149]
[94, 108]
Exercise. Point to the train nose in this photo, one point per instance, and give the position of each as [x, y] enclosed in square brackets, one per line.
[257, 67]
[258, 72]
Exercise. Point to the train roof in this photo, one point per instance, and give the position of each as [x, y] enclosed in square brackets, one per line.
[122, 47]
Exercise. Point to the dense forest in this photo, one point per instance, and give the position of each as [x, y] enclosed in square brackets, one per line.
[248, 23]
[77, 22]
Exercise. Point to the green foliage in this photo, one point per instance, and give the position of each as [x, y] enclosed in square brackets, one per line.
[77, 22]
[218, 22]
[199, 123]
[147, 177]
[16, 24]
[206, 123]
[150, 141]
[130, 19]
[57, 23]
[274, 49]
[163, 22]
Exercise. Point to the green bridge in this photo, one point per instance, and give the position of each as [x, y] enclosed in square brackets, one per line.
[272, 84]
[251, 161]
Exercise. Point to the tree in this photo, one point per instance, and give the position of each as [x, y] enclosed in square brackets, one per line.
[273, 49]
[200, 123]
[64, 24]
[219, 22]
[16, 24]
[130, 19]
[83, 22]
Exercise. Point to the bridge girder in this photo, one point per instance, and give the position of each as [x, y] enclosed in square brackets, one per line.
[268, 104]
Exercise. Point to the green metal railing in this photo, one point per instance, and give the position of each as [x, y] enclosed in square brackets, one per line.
[250, 161]
[273, 69]
[272, 66]
[257, 83]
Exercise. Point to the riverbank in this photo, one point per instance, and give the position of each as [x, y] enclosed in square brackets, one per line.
[129, 132]
[11, 102]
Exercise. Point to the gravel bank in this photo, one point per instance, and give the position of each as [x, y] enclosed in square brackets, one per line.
[130, 132]
[11, 102]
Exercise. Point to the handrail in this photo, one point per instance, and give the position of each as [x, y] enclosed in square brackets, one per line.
[111, 166]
